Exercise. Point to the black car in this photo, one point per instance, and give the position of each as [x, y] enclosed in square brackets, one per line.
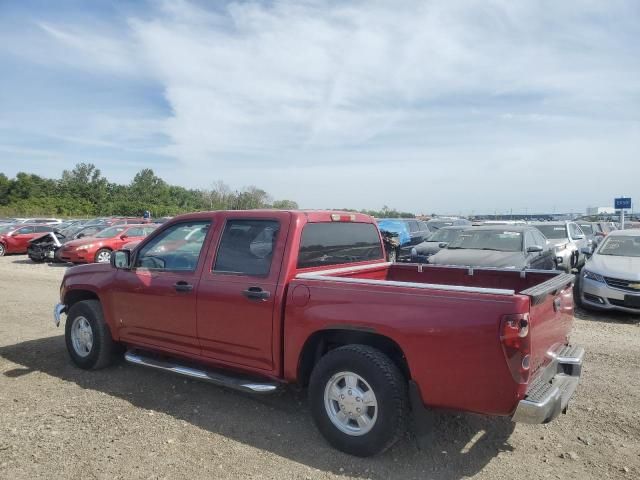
[436, 242]
[506, 246]
[410, 232]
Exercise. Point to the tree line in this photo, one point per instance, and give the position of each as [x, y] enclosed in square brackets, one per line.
[84, 191]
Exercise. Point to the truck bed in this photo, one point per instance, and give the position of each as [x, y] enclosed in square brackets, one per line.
[443, 316]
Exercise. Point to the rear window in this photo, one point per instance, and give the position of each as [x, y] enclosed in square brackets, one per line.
[334, 243]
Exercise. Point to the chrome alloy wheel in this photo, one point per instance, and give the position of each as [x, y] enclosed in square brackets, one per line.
[350, 403]
[104, 257]
[81, 336]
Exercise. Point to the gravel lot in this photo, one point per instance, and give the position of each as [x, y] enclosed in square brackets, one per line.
[57, 421]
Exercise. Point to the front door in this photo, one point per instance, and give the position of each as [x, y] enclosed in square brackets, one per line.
[154, 303]
[237, 296]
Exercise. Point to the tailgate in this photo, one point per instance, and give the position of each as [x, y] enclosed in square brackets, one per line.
[550, 317]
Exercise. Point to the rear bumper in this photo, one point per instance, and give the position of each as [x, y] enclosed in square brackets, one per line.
[549, 394]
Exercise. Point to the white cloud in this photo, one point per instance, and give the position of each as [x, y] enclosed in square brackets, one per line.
[496, 92]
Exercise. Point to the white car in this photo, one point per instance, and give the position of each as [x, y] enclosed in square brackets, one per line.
[610, 279]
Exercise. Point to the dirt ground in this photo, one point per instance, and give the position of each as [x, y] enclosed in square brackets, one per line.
[57, 421]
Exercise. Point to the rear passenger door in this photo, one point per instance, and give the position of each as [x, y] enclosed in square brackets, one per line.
[238, 297]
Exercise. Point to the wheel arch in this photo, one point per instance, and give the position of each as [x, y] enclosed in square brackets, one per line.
[74, 296]
[323, 341]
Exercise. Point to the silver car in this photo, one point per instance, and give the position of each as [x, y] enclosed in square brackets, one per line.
[610, 279]
[568, 240]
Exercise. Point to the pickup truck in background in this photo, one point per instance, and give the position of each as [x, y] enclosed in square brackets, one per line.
[252, 300]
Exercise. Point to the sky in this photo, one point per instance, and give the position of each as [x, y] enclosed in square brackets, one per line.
[475, 106]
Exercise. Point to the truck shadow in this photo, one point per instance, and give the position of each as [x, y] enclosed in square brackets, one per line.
[454, 446]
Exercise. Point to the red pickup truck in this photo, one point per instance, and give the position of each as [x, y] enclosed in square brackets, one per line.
[252, 300]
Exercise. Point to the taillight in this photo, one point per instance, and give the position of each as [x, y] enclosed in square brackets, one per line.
[516, 344]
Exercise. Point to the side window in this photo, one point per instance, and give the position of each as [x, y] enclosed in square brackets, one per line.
[135, 232]
[175, 249]
[413, 226]
[540, 239]
[23, 230]
[574, 230]
[246, 247]
[43, 229]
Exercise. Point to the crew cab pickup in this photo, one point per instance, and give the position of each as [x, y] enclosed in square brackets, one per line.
[253, 300]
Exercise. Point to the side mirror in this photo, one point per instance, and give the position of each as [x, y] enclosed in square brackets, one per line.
[80, 235]
[443, 244]
[586, 251]
[534, 249]
[124, 236]
[121, 259]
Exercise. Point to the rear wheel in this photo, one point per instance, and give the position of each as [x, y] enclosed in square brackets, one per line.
[2, 250]
[358, 399]
[103, 255]
[88, 337]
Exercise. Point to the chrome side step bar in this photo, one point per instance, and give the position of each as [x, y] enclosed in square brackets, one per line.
[242, 384]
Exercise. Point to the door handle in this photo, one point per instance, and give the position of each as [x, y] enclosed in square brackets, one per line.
[183, 286]
[256, 293]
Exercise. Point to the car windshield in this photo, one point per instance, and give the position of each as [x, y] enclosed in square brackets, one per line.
[439, 224]
[499, 240]
[621, 246]
[111, 232]
[445, 235]
[7, 228]
[587, 228]
[553, 231]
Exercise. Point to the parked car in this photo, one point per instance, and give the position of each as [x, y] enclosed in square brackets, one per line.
[38, 221]
[47, 247]
[99, 247]
[436, 242]
[568, 240]
[16, 240]
[410, 232]
[271, 297]
[513, 246]
[441, 222]
[610, 280]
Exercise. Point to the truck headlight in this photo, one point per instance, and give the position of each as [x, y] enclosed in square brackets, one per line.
[593, 276]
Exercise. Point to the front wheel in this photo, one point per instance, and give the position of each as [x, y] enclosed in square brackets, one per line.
[103, 255]
[88, 337]
[358, 400]
[2, 250]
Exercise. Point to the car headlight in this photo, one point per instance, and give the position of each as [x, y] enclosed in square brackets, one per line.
[593, 276]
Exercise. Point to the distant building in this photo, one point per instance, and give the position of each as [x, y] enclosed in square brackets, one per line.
[601, 211]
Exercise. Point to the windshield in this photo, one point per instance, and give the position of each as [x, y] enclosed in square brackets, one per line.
[438, 224]
[111, 232]
[500, 240]
[553, 231]
[620, 246]
[445, 235]
[7, 228]
[587, 228]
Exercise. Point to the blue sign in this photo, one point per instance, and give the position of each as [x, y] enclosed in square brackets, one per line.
[624, 202]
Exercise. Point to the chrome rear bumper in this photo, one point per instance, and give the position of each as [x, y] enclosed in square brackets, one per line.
[550, 392]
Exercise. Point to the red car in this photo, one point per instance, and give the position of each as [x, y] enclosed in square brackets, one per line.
[98, 248]
[254, 299]
[15, 238]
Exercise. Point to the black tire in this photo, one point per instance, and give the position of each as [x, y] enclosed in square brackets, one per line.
[102, 251]
[390, 389]
[2, 250]
[103, 348]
